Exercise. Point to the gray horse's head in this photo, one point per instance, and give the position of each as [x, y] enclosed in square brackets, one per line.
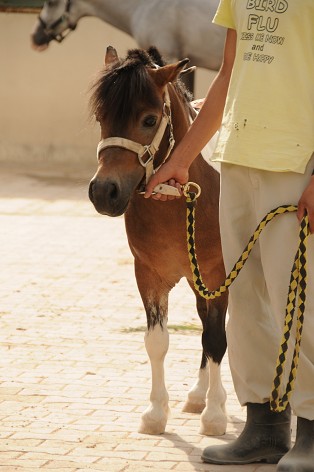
[56, 19]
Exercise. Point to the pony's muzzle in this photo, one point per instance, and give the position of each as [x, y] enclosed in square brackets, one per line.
[106, 197]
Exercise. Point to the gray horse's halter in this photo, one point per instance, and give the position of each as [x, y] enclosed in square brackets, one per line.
[65, 17]
[149, 149]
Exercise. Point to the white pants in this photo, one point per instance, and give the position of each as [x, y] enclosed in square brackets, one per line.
[258, 297]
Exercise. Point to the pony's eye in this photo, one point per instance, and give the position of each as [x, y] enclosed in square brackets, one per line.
[150, 121]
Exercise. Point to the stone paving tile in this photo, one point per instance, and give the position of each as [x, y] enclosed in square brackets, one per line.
[74, 374]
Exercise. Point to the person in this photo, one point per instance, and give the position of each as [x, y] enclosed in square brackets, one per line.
[262, 103]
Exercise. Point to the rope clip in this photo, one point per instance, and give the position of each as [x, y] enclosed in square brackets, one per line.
[186, 190]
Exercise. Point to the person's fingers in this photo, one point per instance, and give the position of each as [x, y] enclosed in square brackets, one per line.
[302, 211]
[151, 184]
[161, 198]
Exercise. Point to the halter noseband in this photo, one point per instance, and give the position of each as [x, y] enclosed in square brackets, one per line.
[49, 29]
[149, 149]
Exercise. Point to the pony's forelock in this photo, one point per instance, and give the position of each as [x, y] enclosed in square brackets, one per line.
[124, 85]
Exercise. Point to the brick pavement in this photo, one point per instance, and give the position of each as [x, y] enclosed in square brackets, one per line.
[74, 374]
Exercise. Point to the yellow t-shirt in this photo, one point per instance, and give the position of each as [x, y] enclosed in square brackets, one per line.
[268, 121]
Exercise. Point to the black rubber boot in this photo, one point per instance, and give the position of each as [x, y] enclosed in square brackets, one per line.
[266, 438]
[301, 456]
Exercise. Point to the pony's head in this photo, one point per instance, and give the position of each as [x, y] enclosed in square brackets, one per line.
[56, 19]
[130, 100]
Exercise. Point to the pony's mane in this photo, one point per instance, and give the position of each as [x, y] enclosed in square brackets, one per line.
[120, 88]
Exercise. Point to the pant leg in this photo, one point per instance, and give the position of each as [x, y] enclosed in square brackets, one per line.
[258, 297]
[278, 246]
[252, 334]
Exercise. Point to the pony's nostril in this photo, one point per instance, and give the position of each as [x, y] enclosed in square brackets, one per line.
[99, 193]
[90, 192]
[113, 191]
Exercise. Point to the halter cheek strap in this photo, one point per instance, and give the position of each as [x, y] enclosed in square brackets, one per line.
[152, 148]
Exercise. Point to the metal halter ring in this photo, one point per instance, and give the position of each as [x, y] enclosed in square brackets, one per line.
[186, 189]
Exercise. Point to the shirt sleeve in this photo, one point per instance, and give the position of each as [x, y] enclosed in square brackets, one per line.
[224, 16]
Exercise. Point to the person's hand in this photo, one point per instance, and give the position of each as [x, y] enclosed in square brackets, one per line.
[169, 174]
[164, 196]
[306, 204]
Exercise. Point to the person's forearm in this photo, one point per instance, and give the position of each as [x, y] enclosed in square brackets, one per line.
[203, 128]
[206, 123]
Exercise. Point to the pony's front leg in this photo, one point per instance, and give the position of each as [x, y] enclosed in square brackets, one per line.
[154, 418]
[213, 417]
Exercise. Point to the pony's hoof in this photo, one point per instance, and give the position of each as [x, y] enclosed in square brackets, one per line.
[213, 429]
[196, 400]
[213, 424]
[153, 422]
[191, 406]
[152, 427]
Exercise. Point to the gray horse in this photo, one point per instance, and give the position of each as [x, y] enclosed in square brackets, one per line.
[178, 28]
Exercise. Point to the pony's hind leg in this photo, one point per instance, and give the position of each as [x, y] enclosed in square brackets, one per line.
[196, 400]
[213, 417]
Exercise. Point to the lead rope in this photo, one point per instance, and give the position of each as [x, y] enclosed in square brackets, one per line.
[296, 293]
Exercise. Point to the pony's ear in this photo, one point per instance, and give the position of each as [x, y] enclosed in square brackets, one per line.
[188, 70]
[168, 73]
[111, 56]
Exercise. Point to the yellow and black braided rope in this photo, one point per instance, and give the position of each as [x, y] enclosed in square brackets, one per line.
[296, 298]
[297, 291]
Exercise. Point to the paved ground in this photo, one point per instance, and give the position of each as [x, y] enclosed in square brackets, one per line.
[74, 375]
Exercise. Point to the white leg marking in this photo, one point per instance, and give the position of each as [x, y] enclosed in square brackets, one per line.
[154, 418]
[214, 418]
[196, 400]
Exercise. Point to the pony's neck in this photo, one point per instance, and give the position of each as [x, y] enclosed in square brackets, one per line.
[114, 12]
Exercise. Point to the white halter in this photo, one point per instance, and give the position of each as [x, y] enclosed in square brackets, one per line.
[151, 148]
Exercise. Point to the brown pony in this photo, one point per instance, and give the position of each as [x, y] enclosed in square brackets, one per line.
[144, 110]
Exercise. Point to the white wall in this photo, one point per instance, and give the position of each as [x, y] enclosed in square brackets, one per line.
[44, 95]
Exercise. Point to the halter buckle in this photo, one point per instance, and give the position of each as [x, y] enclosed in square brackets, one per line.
[151, 156]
